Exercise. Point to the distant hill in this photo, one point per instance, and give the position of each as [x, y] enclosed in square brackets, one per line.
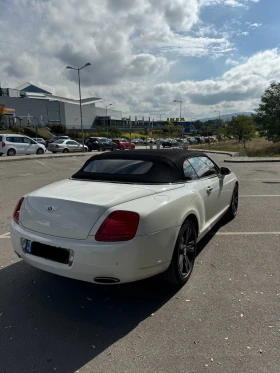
[226, 116]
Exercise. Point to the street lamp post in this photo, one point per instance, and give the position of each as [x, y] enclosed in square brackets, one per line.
[218, 111]
[81, 112]
[106, 118]
[180, 108]
[161, 116]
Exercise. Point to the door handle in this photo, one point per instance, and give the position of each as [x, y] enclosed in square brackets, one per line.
[209, 189]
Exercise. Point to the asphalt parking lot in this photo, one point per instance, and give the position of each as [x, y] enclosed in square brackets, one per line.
[225, 319]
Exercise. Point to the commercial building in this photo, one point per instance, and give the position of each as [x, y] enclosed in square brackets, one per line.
[32, 105]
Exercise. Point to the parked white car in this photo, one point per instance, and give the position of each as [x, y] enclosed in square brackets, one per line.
[125, 216]
[66, 146]
[12, 144]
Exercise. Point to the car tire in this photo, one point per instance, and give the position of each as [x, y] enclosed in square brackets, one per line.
[11, 152]
[132, 147]
[232, 210]
[122, 148]
[1, 154]
[101, 149]
[86, 150]
[113, 148]
[183, 258]
[65, 150]
[40, 151]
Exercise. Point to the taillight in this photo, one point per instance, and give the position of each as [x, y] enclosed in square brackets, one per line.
[17, 210]
[57, 146]
[118, 226]
[95, 142]
[3, 144]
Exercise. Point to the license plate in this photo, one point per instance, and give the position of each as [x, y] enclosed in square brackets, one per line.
[28, 247]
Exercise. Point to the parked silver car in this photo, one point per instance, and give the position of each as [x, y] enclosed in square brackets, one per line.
[12, 144]
[39, 140]
[66, 146]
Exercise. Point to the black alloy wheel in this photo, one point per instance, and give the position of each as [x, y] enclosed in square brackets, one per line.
[184, 254]
[232, 211]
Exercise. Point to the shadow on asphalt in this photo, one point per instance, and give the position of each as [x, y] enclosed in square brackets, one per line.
[206, 239]
[53, 322]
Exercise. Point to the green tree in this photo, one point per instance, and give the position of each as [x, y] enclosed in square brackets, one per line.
[221, 134]
[114, 132]
[267, 114]
[58, 129]
[242, 127]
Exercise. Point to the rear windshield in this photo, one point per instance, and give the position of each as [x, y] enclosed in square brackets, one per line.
[119, 167]
[129, 170]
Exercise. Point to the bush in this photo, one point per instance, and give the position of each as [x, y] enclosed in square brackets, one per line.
[58, 129]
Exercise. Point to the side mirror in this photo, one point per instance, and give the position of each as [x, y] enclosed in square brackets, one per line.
[225, 171]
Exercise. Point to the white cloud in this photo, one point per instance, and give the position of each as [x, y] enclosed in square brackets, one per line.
[255, 25]
[232, 3]
[231, 62]
[132, 46]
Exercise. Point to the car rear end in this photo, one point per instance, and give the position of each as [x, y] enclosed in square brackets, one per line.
[57, 146]
[90, 236]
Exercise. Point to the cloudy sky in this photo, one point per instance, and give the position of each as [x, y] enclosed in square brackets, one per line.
[144, 54]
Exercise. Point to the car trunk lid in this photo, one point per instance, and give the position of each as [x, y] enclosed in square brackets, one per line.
[70, 208]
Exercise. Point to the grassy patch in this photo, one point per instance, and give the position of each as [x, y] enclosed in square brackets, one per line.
[258, 147]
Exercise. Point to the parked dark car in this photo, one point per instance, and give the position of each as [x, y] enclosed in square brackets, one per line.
[169, 143]
[123, 144]
[138, 141]
[100, 144]
[55, 138]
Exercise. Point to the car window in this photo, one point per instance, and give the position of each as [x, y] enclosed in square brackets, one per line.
[1, 138]
[119, 166]
[203, 167]
[189, 171]
[69, 142]
[14, 139]
[74, 143]
[59, 141]
[26, 140]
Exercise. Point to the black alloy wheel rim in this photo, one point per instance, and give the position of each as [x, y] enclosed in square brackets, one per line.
[187, 246]
[234, 203]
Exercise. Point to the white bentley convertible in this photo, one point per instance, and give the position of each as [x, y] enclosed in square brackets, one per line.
[125, 216]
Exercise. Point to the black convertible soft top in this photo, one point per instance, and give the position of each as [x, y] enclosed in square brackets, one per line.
[137, 166]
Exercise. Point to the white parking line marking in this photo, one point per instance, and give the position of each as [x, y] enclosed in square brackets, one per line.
[5, 235]
[78, 161]
[264, 180]
[244, 233]
[260, 195]
[46, 166]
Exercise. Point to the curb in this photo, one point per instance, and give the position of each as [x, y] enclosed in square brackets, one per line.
[248, 160]
[46, 156]
[231, 154]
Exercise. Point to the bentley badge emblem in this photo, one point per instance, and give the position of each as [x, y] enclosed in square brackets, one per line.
[51, 208]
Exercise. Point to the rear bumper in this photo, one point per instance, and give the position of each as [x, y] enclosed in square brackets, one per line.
[140, 258]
